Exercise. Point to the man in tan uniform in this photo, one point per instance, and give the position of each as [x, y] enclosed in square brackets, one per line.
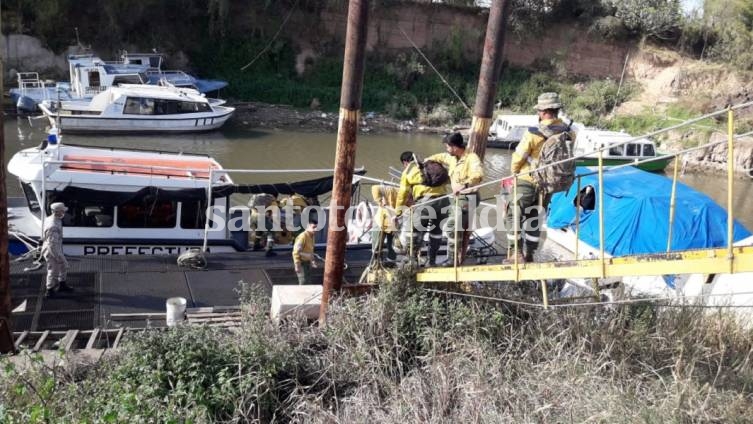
[466, 171]
[303, 253]
[52, 250]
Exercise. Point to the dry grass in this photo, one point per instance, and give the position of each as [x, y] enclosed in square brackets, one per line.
[405, 355]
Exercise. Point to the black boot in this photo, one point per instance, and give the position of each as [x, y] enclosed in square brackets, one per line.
[529, 251]
[63, 287]
[50, 293]
[434, 244]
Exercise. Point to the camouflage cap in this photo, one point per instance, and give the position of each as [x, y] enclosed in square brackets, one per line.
[548, 101]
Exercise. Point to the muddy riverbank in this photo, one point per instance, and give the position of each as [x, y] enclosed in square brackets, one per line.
[262, 115]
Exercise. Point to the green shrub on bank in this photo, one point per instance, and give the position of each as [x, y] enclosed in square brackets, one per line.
[407, 355]
[402, 86]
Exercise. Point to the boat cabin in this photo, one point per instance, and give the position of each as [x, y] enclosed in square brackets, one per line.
[128, 202]
[91, 75]
[622, 148]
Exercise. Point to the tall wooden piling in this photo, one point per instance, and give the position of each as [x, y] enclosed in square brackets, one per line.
[345, 155]
[5, 306]
[491, 67]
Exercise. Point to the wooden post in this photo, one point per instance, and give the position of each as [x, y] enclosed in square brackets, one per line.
[491, 67]
[4, 262]
[345, 155]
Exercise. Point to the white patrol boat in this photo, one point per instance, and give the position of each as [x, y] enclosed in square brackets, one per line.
[131, 108]
[130, 202]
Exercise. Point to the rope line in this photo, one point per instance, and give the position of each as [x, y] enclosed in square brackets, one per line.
[611, 302]
[436, 71]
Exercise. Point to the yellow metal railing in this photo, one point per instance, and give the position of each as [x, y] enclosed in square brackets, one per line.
[706, 261]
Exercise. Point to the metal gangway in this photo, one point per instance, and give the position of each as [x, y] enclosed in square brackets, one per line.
[728, 260]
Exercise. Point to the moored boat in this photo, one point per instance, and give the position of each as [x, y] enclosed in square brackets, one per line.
[89, 75]
[140, 108]
[131, 202]
[506, 130]
[620, 148]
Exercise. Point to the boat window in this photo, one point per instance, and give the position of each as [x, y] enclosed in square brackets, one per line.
[193, 107]
[648, 150]
[94, 79]
[193, 214]
[147, 212]
[616, 150]
[31, 197]
[82, 213]
[633, 149]
[126, 79]
[138, 106]
[165, 107]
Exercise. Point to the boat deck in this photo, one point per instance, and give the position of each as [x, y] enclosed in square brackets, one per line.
[109, 288]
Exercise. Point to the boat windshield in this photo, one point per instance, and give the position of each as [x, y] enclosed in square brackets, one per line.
[31, 197]
[146, 106]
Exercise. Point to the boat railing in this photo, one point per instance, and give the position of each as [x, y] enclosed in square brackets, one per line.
[94, 90]
[171, 73]
[29, 80]
[711, 263]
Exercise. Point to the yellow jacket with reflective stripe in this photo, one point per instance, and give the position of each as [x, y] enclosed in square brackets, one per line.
[410, 183]
[464, 170]
[528, 150]
[304, 243]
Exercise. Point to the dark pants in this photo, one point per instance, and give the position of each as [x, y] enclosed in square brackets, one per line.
[425, 218]
[304, 277]
[378, 236]
[458, 221]
[531, 217]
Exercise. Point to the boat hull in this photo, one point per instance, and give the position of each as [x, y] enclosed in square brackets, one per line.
[85, 124]
[654, 166]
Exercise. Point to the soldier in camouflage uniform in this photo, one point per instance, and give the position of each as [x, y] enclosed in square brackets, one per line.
[52, 250]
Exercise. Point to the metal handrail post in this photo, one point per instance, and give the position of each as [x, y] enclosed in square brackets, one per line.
[516, 222]
[672, 203]
[601, 212]
[730, 187]
[577, 219]
[410, 243]
[43, 199]
[458, 221]
[209, 210]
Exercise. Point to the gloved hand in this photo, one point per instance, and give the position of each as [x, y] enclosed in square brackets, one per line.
[507, 183]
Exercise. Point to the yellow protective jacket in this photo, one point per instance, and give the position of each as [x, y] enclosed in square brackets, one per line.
[304, 243]
[464, 170]
[410, 183]
[385, 197]
[529, 150]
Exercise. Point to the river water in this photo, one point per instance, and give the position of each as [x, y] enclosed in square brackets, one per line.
[242, 148]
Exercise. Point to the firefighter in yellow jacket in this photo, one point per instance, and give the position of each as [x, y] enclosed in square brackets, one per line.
[303, 253]
[466, 171]
[428, 215]
[383, 232]
[528, 151]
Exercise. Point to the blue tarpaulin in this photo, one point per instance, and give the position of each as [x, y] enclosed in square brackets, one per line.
[636, 214]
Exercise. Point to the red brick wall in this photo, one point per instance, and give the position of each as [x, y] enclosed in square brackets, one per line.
[430, 25]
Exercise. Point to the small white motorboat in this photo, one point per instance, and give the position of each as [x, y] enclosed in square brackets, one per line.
[132, 108]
